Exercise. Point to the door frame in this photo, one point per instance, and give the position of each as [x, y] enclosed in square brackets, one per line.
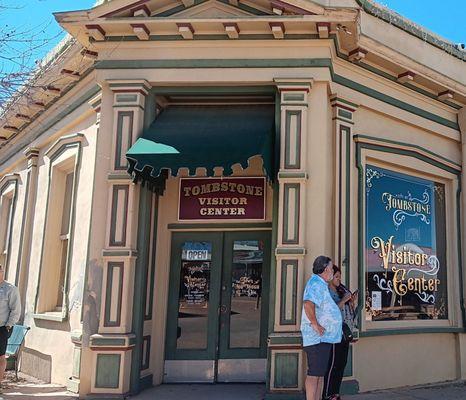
[222, 252]
[209, 353]
[224, 351]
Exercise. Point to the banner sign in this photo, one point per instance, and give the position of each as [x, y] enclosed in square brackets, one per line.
[222, 198]
[405, 247]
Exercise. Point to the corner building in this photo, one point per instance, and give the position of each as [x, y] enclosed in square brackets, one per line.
[167, 183]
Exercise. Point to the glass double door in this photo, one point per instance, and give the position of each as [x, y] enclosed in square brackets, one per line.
[218, 307]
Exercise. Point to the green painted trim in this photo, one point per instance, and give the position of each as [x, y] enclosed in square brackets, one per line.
[216, 37]
[413, 146]
[146, 382]
[119, 137]
[113, 220]
[347, 262]
[109, 290]
[276, 63]
[345, 114]
[394, 102]
[286, 371]
[288, 115]
[460, 255]
[285, 340]
[126, 97]
[108, 342]
[215, 63]
[145, 364]
[293, 97]
[291, 250]
[344, 101]
[221, 226]
[107, 372]
[350, 387]
[409, 331]
[214, 90]
[298, 395]
[289, 174]
[283, 292]
[406, 84]
[119, 253]
[140, 284]
[411, 153]
[286, 210]
[112, 176]
[148, 315]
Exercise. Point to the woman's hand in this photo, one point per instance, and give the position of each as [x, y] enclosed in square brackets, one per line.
[347, 297]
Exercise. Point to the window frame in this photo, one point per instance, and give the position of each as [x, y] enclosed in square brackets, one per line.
[8, 188]
[410, 163]
[63, 157]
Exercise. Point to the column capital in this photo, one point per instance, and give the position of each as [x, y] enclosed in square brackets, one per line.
[342, 108]
[31, 154]
[129, 86]
[294, 84]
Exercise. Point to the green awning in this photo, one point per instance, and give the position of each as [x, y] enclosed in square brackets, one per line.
[203, 136]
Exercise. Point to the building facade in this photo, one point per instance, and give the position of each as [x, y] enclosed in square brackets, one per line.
[176, 167]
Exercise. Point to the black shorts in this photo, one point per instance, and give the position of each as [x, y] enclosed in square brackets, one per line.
[318, 356]
[4, 336]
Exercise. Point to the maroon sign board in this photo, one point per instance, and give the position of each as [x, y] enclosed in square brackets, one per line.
[221, 198]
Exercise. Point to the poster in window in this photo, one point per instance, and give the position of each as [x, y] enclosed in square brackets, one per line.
[405, 247]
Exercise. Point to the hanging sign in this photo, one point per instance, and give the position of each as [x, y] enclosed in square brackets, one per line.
[221, 198]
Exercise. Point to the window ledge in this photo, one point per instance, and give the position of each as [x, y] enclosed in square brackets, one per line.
[50, 316]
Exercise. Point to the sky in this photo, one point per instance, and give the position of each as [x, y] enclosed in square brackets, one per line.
[446, 18]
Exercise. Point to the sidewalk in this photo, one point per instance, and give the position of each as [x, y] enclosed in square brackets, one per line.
[28, 388]
[450, 391]
[25, 389]
[447, 391]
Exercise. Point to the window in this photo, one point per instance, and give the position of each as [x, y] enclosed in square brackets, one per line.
[405, 247]
[6, 215]
[65, 235]
[57, 239]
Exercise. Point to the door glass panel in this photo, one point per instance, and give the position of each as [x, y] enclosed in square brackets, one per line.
[246, 274]
[193, 302]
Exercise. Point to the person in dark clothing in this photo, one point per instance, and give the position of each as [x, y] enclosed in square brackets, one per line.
[339, 354]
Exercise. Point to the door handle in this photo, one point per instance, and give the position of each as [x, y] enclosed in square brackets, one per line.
[223, 309]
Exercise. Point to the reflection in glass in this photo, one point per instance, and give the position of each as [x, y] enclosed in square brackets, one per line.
[246, 274]
[193, 302]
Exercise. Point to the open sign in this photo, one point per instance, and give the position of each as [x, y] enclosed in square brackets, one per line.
[197, 255]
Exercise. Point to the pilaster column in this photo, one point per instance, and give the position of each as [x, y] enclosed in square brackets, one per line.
[342, 115]
[31, 154]
[461, 343]
[112, 346]
[285, 353]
